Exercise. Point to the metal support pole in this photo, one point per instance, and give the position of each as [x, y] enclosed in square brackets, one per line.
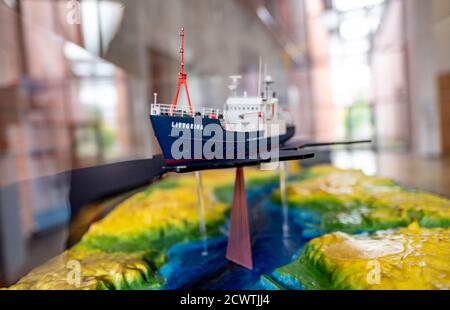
[201, 211]
[284, 197]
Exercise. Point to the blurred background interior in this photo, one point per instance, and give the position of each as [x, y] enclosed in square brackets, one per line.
[77, 77]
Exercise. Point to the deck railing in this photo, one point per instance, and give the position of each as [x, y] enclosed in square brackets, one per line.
[167, 109]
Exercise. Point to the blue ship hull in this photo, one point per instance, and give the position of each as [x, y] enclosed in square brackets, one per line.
[183, 139]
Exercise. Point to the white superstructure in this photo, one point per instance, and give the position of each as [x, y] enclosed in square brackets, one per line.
[244, 113]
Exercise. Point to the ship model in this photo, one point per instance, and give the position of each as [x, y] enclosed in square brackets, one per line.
[245, 128]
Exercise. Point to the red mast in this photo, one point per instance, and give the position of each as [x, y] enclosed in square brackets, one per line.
[182, 77]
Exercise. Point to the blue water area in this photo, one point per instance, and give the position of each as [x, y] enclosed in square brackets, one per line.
[188, 263]
[188, 268]
[270, 249]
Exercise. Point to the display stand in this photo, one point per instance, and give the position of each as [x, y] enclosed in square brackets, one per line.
[239, 248]
[284, 197]
[201, 211]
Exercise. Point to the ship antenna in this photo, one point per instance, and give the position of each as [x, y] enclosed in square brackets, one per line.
[266, 91]
[182, 77]
[268, 81]
[259, 76]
